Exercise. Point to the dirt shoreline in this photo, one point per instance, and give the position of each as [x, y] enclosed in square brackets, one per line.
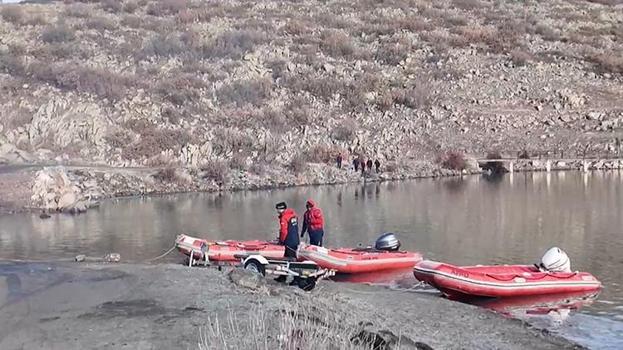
[23, 190]
[100, 306]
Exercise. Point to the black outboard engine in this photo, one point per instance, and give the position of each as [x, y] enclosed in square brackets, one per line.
[387, 241]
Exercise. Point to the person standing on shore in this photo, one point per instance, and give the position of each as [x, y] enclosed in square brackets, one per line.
[362, 161]
[288, 229]
[356, 164]
[377, 165]
[339, 160]
[369, 165]
[313, 223]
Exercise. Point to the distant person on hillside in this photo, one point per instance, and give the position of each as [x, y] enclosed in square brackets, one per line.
[338, 160]
[377, 165]
[313, 223]
[362, 161]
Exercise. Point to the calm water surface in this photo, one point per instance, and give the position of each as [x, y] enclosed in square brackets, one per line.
[473, 220]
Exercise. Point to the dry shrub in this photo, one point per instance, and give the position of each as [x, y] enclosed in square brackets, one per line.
[215, 170]
[607, 62]
[467, 4]
[296, 27]
[520, 57]
[607, 2]
[112, 6]
[385, 101]
[130, 6]
[70, 50]
[233, 44]
[298, 112]
[321, 153]
[245, 92]
[547, 33]
[162, 8]
[298, 163]
[12, 64]
[416, 97]
[323, 87]
[337, 44]
[94, 81]
[101, 24]
[131, 21]
[393, 53]
[238, 162]
[345, 131]
[153, 141]
[453, 160]
[59, 33]
[118, 139]
[13, 14]
[166, 175]
[278, 68]
[228, 140]
[523, 154]
[181, 89]
[163, 46]
[78, 10]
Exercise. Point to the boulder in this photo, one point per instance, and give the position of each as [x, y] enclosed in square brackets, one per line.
[247, 279]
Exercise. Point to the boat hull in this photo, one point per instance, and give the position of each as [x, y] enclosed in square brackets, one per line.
[229, 250]
[346, 260]
[501, 281]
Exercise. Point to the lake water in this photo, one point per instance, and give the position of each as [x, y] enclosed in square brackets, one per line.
[471, 220]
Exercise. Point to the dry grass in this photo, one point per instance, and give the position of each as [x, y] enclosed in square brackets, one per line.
[13, 14]
[299, 325]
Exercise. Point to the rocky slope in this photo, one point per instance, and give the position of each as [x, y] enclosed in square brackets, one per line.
[233, 94]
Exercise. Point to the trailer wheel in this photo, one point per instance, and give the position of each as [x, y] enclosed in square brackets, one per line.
[255, 266]
[307, 284]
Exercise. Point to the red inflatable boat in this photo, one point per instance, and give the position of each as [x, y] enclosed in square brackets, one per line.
[226, 250]
[502, 280]
[356, 260]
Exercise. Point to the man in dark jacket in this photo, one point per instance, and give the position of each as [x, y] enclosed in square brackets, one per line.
[313, 223]
[288, 229]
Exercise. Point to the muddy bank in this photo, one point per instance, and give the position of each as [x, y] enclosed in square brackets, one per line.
[94, 306]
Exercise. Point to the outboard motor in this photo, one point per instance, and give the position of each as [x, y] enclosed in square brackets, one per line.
[387, 241]
[555, 260]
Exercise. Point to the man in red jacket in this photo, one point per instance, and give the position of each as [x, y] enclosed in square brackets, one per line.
[288, 229]
[313, 222]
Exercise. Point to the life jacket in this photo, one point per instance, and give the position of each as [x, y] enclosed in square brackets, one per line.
[315, 218]
[289, 229]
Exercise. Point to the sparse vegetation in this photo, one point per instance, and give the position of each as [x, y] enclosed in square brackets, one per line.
[453, 160]
[245, 83]
[13, 14]
[58, 33]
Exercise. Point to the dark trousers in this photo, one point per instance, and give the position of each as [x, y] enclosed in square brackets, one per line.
[315, 237]
[289, 252]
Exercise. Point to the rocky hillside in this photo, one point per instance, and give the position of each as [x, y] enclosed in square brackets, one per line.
[238, 92]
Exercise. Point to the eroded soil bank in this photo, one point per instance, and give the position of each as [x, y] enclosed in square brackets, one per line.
[96, 306]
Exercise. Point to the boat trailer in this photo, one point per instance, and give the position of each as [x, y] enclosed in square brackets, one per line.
[305, 274]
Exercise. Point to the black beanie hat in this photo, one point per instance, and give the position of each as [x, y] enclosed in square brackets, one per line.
[281, 205]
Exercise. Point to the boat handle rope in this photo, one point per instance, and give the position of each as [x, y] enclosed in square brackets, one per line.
[531, 278]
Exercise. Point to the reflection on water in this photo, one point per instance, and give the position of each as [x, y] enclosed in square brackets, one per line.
[470, 220]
